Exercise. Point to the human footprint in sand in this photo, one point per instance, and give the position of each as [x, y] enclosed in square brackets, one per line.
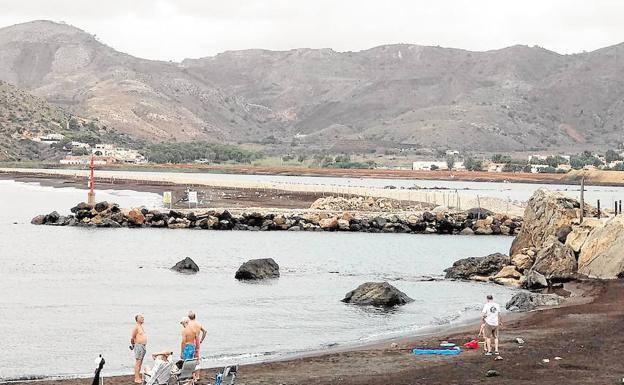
[491, 324]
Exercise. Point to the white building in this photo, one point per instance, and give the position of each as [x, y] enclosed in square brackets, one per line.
[51, 138]
[119, 153]
[425, 165]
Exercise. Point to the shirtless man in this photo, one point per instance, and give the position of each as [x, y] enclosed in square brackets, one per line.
[187, 347]
[198, 329]
[138, 341]
[200, 334]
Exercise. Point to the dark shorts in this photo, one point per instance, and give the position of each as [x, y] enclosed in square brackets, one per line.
[491, 331]
[139, 351]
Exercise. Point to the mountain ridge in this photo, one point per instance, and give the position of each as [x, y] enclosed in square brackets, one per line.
[517, 98]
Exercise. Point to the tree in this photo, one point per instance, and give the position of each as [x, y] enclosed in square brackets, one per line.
[472, 164]
[450, 162]
[612, 156]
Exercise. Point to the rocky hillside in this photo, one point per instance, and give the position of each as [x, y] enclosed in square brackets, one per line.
[24, 116]
[517, 98]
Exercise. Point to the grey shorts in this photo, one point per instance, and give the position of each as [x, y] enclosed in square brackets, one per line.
[139, 351]
[491, 331]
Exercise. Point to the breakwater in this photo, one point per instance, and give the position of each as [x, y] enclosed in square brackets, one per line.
[440, 221]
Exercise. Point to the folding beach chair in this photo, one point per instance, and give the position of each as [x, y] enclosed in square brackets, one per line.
[227, 376]
[161, 374]
[185, 375]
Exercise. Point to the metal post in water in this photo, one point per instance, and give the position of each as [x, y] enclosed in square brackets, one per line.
[598, 208]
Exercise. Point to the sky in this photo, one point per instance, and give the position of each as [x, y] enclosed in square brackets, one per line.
[178, 29]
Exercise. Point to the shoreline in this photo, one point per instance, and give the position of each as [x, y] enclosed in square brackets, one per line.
[296, 368]
[595, 177]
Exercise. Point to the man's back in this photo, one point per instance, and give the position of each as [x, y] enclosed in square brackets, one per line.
[196, 327]
[188, 336]
[491, 310]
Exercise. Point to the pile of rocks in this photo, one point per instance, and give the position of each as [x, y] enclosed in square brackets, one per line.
[553, 246]
[110, 215]
[365, 204]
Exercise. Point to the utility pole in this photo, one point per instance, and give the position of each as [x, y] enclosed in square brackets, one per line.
[91, 194]
[582, 199]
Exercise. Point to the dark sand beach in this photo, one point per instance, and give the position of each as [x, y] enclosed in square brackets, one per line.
[587, 334]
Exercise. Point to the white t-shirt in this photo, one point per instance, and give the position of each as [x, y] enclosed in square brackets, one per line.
[491, 311]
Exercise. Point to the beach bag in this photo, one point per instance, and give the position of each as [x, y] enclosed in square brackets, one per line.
[474, 344]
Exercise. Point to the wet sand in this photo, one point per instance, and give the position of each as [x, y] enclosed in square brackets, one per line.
[587, 334]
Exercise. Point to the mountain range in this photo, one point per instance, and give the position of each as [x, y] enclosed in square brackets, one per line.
[393, 96]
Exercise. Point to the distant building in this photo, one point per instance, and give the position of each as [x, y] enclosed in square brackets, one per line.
[536, 168]
[425, 165]
[51, 138]
[495, 167]
[119, 153]
[86, 159]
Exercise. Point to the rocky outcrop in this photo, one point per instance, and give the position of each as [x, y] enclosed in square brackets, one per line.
[186, 266]
[525, 301]
[468, 268]
[256, 269]
[546, 214]
[380, 294]
[555, 261]
[602, 253]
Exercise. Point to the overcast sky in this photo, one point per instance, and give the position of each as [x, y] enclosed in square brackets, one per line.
[176, 29]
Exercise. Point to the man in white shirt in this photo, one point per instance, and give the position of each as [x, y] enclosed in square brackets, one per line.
[492, 321]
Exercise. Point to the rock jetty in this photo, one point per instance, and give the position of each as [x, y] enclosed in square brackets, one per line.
[423, 222]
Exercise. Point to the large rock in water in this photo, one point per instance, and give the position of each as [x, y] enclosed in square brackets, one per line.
[380, 294]
[482, 266]
[258, 269]
[602, 253]
[555, 261]
[546, 214]
[525, 301]
[187, 266]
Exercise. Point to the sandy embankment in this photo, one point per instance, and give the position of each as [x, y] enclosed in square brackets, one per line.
[450, 198]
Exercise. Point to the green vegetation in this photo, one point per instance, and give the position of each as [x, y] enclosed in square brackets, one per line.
[472, 164]
[185, 152]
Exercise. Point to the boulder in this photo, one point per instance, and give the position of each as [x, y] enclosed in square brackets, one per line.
[101, 206]
[478, 213]
[53, 217]
[258, 269]
[522, 261]
[328, 223]
[486, 266]
[602, 253]
[508, 272]
[343, 224]
[535, 280]
[136, 217]
[485, 230]
[555, 261]
[80, 207]
[186, 266]
[546, 212]
[381, 294]
[38, 220]
[525, 301]
[466, 231]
